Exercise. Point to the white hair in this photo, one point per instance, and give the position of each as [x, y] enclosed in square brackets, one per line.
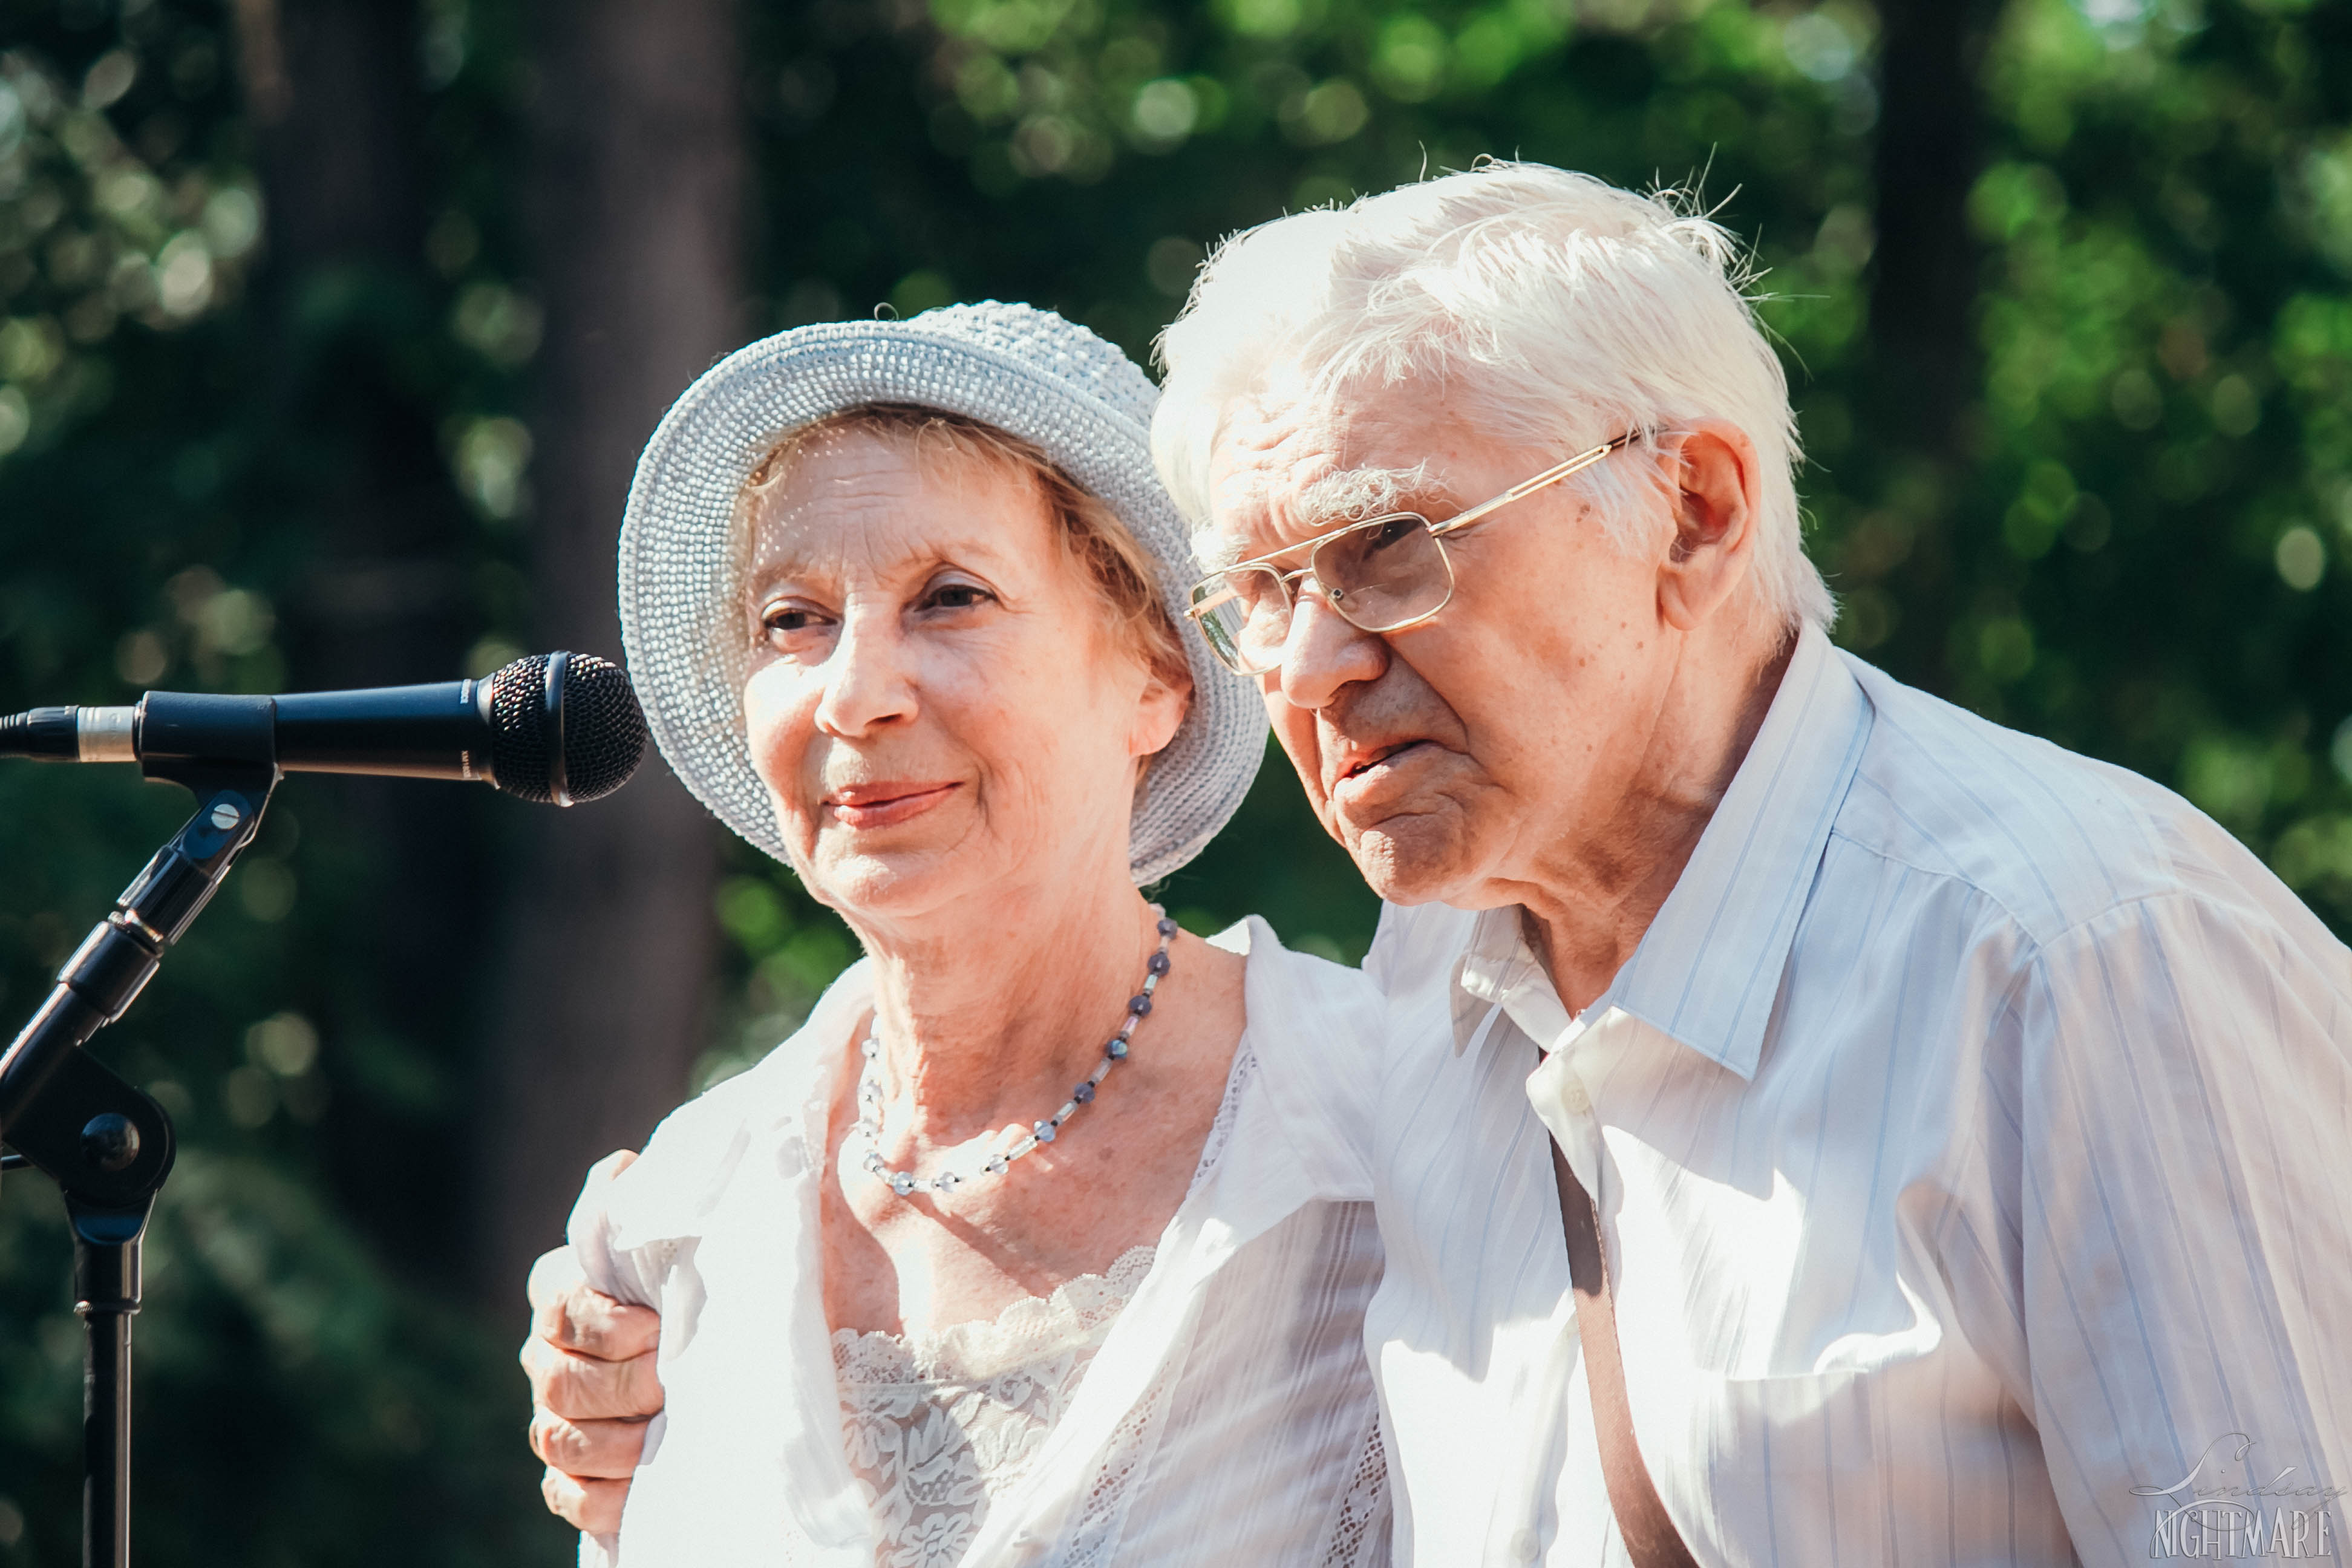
[1550, 308]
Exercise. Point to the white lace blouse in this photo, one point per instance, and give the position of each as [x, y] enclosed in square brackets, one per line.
[1220, 1414]
[940, 1426]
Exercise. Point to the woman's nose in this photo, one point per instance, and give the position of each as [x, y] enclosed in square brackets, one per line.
[1323, 653]
[867, 682]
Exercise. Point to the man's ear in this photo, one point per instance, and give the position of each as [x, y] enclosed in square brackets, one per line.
[1717, 500]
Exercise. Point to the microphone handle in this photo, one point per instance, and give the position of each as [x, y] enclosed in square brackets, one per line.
[440, 730]
[436, 732]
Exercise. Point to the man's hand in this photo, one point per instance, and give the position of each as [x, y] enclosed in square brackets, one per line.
[592, 1384]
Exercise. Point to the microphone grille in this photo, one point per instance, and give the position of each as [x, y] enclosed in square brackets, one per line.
[603, 729]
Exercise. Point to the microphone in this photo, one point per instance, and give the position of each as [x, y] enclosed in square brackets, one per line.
[551, 727]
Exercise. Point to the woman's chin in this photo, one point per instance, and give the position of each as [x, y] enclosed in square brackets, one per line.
[880, 880]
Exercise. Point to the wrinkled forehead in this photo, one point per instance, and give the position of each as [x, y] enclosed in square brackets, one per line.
[871, 498]
[1285, 469]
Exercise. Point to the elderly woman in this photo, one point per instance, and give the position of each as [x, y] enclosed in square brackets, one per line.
[1008, 1255]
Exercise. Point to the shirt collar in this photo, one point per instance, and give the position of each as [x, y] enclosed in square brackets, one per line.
[1708, 968]
[1499, 973]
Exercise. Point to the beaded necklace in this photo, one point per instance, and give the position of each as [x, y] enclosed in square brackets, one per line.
[906, 1183]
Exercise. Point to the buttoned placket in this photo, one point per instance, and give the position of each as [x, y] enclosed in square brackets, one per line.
[1576, 1052]
[1525, 1007]
[1557, 1090]
[1562, 1090]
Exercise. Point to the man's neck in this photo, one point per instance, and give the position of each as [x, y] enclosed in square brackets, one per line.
[1589, 907]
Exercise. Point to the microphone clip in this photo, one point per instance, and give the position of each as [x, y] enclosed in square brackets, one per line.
[206, 740]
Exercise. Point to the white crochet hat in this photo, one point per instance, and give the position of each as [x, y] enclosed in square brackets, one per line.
[1027, 372]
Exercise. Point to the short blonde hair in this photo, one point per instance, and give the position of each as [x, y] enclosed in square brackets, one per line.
[1116, 565]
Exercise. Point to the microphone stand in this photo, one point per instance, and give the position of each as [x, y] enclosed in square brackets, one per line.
[107, 1146]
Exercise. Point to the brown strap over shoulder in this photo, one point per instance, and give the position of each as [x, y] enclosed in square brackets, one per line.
[1650, 1537]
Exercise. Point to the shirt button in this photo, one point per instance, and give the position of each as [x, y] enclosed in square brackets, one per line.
[1573, 1095]
[1524, 1545]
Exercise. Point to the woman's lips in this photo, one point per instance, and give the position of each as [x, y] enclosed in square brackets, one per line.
[885, 806]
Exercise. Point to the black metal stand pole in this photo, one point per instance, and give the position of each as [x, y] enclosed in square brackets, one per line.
[107, 1246]
[107, 1146]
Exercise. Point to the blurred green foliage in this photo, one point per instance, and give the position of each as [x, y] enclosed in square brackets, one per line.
[2133, 542]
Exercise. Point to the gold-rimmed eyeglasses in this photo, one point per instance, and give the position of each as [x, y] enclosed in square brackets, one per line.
[1381, 574]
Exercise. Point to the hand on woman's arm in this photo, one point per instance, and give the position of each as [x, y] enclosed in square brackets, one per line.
[592, 1384]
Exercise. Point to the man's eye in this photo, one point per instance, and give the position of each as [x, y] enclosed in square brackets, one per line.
[958, 597]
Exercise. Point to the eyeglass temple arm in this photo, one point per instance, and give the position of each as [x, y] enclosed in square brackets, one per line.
[1202, 606]
[1550, 476]
[1528, 487]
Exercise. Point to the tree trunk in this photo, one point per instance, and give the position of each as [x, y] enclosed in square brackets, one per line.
[638, 178]
[1929, 150]
[332, 87]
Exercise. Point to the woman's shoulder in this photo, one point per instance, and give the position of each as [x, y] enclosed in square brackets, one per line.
[779, 1084]
[1291, 990]
[1317, 1033]
[688, 1163]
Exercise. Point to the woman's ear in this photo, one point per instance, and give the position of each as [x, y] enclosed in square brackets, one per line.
[1159, 712]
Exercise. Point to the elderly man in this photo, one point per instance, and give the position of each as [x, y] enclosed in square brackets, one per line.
[1818, 1126]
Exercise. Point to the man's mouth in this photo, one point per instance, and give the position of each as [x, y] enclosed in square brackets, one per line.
[1373, 757]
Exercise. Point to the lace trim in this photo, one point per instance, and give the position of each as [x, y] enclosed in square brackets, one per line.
[1030, 1330]
[1360, 1528]
[940, 1426]
[1102, 1513]
[1220, 1131]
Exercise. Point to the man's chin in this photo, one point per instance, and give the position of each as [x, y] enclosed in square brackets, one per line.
[1411, 860]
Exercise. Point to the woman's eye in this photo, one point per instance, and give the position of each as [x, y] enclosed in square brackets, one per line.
[785, 620]
[958, 597]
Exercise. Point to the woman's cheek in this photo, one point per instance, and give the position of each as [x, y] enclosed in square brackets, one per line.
[776, 731]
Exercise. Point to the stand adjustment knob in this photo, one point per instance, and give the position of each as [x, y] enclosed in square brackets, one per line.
[110, 1142]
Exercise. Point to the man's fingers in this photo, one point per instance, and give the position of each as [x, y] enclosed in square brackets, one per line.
[585, 1388]
[594, 1506]
[606, 1450]
[591, 1363]
[596, 1325]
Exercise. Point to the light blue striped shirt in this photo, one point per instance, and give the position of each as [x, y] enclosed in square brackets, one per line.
[1973, 1132]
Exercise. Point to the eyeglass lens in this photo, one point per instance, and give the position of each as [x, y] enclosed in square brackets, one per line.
[1379, 575]
[1388, 571]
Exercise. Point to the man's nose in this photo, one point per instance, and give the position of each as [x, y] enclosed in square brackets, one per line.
[868, 681]
[1323, 653]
